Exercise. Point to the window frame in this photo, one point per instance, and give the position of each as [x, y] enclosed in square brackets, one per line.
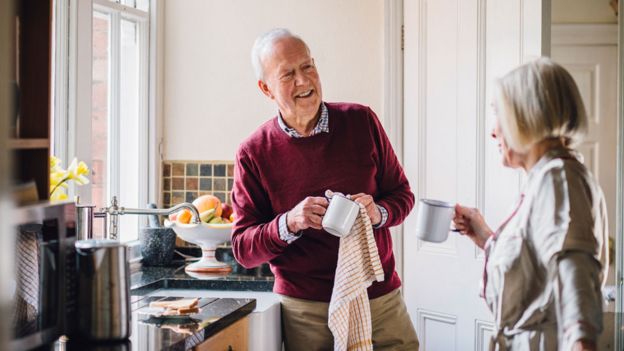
[72, 93]
[117, 13]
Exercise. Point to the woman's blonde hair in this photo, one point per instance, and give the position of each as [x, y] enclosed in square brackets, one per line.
[539, 100]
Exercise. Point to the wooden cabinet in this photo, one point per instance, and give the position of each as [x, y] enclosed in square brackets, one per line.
[30, 136]
[233, 338]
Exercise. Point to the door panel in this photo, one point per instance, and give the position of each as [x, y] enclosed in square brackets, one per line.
[484, 331]
[594, 69]
[439, 331]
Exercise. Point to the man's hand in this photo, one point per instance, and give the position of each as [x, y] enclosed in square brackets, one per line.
[307, 214]
[370, 205]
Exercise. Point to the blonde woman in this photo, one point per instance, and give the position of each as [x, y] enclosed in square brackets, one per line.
[546, 263]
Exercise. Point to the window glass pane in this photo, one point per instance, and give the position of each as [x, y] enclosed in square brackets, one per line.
[131, 3]
[100, 111]
[129, 128]
[142, 5]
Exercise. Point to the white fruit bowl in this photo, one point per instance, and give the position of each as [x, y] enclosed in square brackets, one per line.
[207, 236]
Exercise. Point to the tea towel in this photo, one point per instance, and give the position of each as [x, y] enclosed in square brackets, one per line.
[358, 267]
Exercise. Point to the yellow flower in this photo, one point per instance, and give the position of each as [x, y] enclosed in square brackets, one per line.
[59, 177]
[58, 195]
[77, 171]
[54, 162]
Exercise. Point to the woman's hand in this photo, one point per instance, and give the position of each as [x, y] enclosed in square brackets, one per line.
[469, 221]
[369, 204]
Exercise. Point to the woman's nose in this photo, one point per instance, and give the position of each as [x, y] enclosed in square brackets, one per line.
[493, 133]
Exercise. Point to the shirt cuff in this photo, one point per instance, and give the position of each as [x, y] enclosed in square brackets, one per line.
[284, 233]
[384, 217]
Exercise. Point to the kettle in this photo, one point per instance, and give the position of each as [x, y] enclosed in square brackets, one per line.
[103, 290]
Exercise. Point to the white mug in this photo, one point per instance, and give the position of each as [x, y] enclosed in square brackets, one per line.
[340, 215]
[433, 221]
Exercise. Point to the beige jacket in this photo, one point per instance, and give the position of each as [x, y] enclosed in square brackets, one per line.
[546, 266]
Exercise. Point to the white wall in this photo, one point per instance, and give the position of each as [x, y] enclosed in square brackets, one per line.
[211, 100]
[582, 11]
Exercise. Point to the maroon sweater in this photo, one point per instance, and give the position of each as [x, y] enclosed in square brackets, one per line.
[274, 172]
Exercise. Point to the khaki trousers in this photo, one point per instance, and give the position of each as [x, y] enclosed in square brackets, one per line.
[304, 324]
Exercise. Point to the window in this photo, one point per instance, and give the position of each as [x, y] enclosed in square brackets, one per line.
[100, 94]
[119, 100]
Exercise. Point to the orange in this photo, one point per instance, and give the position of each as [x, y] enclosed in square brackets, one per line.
[184, 216]
[207, 202]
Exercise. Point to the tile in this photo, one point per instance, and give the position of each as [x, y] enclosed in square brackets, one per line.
[228, 197]
[219, 170]
[191, 183]
[177, 183]
[177, 197]
[205, 183]
[185, 181]
[191, 169]
[219, 184]
[167, 199]
[177, 169]
[205, 169]
[220, 195]
[190, 196]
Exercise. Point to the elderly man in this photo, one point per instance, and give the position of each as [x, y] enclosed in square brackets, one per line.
[282, 171]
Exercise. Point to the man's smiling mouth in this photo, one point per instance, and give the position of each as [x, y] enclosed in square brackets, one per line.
[304, 94]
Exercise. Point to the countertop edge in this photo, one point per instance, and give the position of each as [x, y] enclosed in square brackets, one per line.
[213, 328]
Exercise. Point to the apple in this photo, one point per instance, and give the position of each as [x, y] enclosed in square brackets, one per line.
[226, 210]
[207, 202]
[173, 217]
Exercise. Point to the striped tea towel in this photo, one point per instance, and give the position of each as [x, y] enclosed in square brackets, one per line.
[358, 267]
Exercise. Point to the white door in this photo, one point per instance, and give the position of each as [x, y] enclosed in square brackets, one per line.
[594, 68]
[453, 51]
[589, 52]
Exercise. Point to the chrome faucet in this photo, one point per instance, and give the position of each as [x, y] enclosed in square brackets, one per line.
[111, 216]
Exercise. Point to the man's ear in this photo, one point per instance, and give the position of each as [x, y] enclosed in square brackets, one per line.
[265, 89]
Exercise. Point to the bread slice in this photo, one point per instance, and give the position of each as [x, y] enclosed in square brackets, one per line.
[176, 304]
[188, 310]
[180, 312]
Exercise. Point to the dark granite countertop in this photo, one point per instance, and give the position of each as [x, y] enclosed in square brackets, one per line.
[174, 277]
[149, 333]
[165, 333]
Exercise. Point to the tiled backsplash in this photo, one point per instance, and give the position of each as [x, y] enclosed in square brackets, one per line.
[184, 181]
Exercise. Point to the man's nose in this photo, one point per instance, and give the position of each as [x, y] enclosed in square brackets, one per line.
[300, 78]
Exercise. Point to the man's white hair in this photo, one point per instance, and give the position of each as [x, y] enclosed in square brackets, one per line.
[264, 44]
